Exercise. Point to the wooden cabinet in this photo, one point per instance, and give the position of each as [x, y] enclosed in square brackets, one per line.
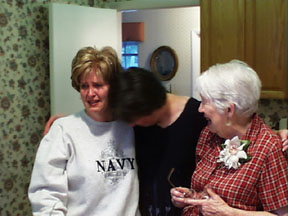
[254, 31]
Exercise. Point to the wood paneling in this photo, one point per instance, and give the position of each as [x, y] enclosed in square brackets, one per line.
[254, 31]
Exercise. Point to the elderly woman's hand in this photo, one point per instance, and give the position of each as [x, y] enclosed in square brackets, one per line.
[284, 136]
[213, 206]
[178, 196]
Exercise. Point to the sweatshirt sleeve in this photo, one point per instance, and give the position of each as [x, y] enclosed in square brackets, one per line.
[48, 188]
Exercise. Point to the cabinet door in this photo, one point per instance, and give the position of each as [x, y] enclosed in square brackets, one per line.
[254, 31]
[222, 31]
[266, 44]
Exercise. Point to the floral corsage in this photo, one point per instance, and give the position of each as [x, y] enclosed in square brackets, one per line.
[234, 152]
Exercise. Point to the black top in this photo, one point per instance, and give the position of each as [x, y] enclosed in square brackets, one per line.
[158, 150]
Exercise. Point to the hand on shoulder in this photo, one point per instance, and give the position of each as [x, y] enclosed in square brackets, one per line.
[284, 136]
[50, 122]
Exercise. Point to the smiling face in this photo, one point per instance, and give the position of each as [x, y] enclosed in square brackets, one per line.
[94, 94]
[216, 120]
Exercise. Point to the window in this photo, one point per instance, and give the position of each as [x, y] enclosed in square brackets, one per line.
[130, 54]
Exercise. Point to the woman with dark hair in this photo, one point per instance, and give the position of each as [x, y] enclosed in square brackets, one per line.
[167, 127]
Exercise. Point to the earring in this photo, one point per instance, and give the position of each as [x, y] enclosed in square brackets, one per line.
[228, 122]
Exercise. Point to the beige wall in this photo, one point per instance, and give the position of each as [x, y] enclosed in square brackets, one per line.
[169, 27]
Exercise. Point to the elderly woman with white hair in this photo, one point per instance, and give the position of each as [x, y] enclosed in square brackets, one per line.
[241, 169]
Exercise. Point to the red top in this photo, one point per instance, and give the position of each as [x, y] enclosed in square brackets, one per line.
[259, 184]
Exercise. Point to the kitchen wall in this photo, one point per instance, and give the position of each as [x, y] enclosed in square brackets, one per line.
[179, 22]
[24, 96]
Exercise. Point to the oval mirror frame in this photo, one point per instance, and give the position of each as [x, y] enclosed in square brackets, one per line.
[164, 63]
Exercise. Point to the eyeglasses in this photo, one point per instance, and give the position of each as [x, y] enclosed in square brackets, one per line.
[192, 193]
[169, 177]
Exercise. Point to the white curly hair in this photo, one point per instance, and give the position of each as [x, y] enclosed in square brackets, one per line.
[233, 82]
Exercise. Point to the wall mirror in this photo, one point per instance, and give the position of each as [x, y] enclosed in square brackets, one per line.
[164, 63]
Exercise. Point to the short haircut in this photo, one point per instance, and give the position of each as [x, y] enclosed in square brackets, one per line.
[104, 62]
[136, 93]
[233, 82]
